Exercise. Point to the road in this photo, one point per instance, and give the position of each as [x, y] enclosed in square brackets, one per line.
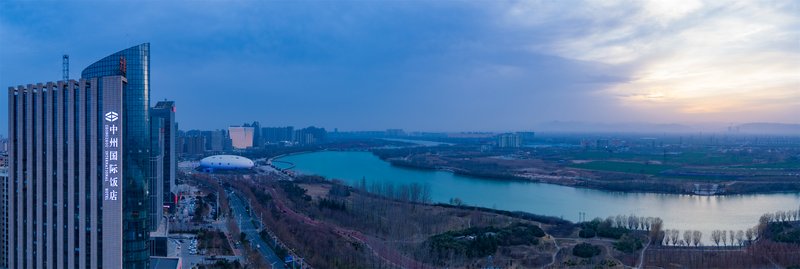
[251, 232]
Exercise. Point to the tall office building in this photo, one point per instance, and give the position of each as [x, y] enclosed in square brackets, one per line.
[277, 134]
[4, 217]
[79, 168]
[241, 137]
[258, 141]
[509, 140]
[192, 145]
[214, 140]
[134, 64]
[66, 164]
[156, 187]
[165, 111]
[310, 135]
[3, 145]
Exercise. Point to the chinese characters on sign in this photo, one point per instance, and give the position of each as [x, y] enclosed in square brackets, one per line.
[111, 160]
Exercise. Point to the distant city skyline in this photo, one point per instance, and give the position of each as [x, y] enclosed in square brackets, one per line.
[431, 66]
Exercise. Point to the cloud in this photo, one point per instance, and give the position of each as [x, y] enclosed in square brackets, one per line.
[687, 57]
[499, 65]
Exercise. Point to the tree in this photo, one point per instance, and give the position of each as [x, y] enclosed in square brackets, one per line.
[716, 236]
[687, 237]
[749, 235]
[740, 237]
[697, 237]
[655, 230]
[674, 234]
[628, 244]
[724, 237]
[585, 250]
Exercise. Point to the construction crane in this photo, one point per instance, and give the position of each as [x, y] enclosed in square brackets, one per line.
[65, 67]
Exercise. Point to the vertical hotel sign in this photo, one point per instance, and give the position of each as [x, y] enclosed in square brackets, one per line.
[111, 191]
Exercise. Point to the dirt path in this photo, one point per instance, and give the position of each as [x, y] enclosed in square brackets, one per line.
[555, 254]
[641, 255]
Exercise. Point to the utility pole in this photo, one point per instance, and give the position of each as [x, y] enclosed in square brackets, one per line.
[65, 67]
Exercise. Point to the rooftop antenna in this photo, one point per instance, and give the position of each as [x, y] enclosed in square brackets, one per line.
[65, 67]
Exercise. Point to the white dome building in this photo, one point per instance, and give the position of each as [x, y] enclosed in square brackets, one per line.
[225, 162]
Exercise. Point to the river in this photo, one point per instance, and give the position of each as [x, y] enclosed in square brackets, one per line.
[703, 213]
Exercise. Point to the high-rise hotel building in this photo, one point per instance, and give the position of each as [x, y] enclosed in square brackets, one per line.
[79, 164]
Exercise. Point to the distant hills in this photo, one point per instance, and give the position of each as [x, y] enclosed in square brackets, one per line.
[586, 127]
[767, 128]
[638, 127]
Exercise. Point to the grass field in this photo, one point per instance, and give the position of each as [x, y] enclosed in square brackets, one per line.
[624, 167]
[708, 158]
[699, 157]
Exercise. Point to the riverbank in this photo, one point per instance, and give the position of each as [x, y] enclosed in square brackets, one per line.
[607, 181]
[595, 180]
[372, 230]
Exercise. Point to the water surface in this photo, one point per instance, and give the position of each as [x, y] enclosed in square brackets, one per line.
[704, 213]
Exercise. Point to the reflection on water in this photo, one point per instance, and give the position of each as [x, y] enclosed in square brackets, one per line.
[704, 213]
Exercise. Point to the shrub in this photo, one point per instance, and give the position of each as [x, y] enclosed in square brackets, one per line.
[585, 250]
[628, 244]
[783, 232]
[483, 241]
[587, 233]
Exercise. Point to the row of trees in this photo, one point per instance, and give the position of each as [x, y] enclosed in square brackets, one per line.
[734, 238]
[633, 222]
[673, 237]
[414, 192]
[780, 216]
[695, 238]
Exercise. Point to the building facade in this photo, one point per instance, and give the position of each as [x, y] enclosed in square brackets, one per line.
[258, 139]
[277, 134]
[65, 202]
[509, 140]
[241, 137]
[4, 217]
[310, 135]
[165, 111]
[133, 64]
[156, 188]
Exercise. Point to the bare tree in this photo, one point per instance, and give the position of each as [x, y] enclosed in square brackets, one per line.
[756, 233]
[740, 237]
[632, 222]
[724, 237]
[687, 237]
[749, 234]
[732, 236]
[655, 230]
[716, 236]
[697, 237]
[674, 234]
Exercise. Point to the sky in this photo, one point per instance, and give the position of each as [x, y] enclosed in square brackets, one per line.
[429, 65]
